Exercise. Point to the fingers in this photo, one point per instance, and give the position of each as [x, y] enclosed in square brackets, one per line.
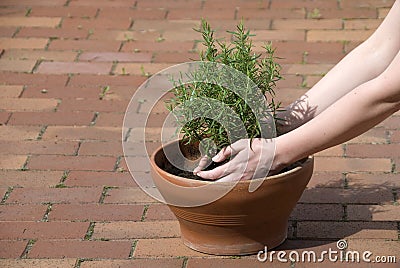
[223, 154]
[204, 161]
[215, 173]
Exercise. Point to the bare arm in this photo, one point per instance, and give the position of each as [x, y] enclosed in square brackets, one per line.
[364, 63]
[352, 115]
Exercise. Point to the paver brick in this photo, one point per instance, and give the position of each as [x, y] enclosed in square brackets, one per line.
[74, 67]
[82, 133]
[129, 82]
[7, 91]
[64, 118]
[95, 212]
[374, 213]
[84, 45]
[23, 43]
[17, 65]
[28, 178]
[42, 230]
[95, 178]
[7, 32]
[163, 247]
[118, 56]
[43, 263]
[309, 24]
[133, 230]
[337, 35]
[22, 212]
[81, 249]
[43, 80]
[256, 14]
[63, 11]
[25, 104]
[52, 33]
[12, 161]
[101, 148]
[11, 249]
[55, 195]
[61, 162]
[131, 195]
[139, 263]
[30, 54]
[159, 212]
[353, 164]
[39, 147]
[30, 21]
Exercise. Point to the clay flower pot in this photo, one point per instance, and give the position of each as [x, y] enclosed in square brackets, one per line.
[240, 222]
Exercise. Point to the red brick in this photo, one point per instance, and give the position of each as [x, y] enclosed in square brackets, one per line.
[118, 56]
[395, 136]
[7, 31]
[335, 36]
[30, 21]
[317, 212]
[366, 3]
[107, 80]
[29, 3]
[146, 34]
[169, 4]
[375, 135]
[232, 263]
[43, 230]
[55, 195]
[9, 133]
[110, 119]
[42, 263]
[303, 69]
[97, 23]
[373, 180]
[7, 91]
[40, 54]
[361, 24]
[129, 230]
[12, 11]
[4, 118]
[163, 247]
[11, 249]
[309, 4]
[84, 45]
[373, 212]
[33, 79]
[22, 212]
[356, 13]
[23, 43]
[107, 3]
[338, 230]
[83, 133]
[80, 249]
[25, 104]
[158, 212]
[379, 247]
[308, 24]
[255, 14]
[352, 164]
[134, 14]
[175, 57]
[93, 105]
[101, 148]
[145, 263]
[16, 65]
[341, 196]
[64, 118]
[240, 4]
[64, 11]
[140, 69]
[61, 92]
[38, 147]
[373, 150]
[30, 178]
[144, 46]
[74, 67]
[93, 178]
[54, 33]
[12, 161]
[49, 162]
[326, 179]
[278, 35]
[96, 212]
[130, 195]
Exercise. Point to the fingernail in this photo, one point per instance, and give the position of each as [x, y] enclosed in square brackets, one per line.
[215, 158]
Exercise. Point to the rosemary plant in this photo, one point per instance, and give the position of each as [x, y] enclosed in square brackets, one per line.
[261, 68]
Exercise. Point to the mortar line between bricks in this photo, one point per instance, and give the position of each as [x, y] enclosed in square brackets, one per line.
[16, 32]
[145, 209]
[67, 3]
[345, 213]
[132, 251]
[25, 165]
[41, 132]
[45, 217]
[8, 119]
[78, 263]
[97, 13]
[269, 4]
[117, 163]
[398, 230]
[6, 195]
[128, 134]
[339, 4]
[185, 262]
[36, 66]
[94, 119]
[90, 231]
[28, 248]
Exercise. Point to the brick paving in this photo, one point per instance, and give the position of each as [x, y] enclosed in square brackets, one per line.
[66, 198]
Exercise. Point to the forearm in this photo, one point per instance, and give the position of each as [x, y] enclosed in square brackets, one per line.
[350, 116]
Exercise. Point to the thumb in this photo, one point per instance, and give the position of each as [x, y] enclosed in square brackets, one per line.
[223, 154]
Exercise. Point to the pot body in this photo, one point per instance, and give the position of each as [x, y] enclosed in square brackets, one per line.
[239, 222]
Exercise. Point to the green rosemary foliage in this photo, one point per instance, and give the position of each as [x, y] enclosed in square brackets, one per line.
[261, 68]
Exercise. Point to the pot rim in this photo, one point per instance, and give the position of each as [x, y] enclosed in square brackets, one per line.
[203, 182]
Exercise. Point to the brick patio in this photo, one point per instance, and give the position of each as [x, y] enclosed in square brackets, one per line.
[68, 69]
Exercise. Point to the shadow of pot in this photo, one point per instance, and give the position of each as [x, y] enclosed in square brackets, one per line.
[225, 218]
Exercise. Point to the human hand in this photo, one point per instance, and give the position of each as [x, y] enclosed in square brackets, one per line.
[246, 163]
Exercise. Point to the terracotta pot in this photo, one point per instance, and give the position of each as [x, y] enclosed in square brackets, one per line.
[240, 222]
